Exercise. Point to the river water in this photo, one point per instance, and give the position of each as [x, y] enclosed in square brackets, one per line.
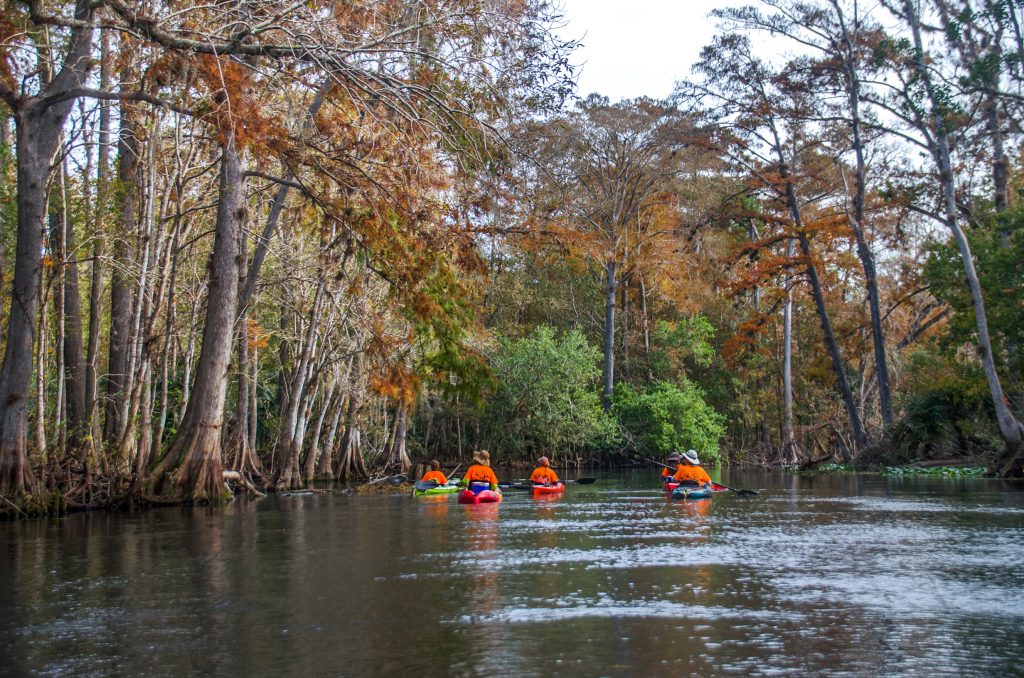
[841, 575]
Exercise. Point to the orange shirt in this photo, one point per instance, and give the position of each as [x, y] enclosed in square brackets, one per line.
[665, 473]
[544, 475]
[434, 475]
[694, 473]
[481, 474]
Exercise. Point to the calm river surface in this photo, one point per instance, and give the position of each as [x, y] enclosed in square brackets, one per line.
[850, 575]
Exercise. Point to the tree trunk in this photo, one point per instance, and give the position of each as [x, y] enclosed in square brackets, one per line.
[325, 465]
[1009, 462]
[818, 292]
[856, 221]
[195, 453]
[397, 454]
[128, 168]
[36, 139]
[313, 453]
[74, 355]
[789, 449]
[38, 130]
[99, 239]
[350, 459]
[611, 286]
[289, 475]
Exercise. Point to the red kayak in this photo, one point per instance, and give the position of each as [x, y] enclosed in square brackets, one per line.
[543, 490]
[481, 497]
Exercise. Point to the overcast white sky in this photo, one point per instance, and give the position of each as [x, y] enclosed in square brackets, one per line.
[637, 47]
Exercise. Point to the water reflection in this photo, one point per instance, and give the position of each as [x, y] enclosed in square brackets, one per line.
[845, 574]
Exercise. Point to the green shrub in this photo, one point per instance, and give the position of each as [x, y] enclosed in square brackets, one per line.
[546, 398]
[668, 417]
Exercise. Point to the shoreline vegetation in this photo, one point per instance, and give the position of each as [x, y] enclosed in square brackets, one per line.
[258, 248]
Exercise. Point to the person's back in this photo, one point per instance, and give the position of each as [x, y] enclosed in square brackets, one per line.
[480, 474]
[434, 474]
[690, 470]
[691, 474]
[671, 467]
[543, 475]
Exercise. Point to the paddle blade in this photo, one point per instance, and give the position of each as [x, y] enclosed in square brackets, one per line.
[584, 481]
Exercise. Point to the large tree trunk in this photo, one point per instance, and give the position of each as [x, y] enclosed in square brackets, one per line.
[856, 220]
[842, 383]
[325, 465]
[818, 293]
[611, 286]
[397, 455]
[1009, 462]
[38, 131]
[194, 456]
[351, 465]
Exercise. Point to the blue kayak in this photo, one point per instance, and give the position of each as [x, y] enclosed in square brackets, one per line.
[692, 492]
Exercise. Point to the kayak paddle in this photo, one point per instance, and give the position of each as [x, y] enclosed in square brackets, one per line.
[718, 487]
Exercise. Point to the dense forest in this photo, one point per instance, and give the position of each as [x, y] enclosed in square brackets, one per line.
[248, 245]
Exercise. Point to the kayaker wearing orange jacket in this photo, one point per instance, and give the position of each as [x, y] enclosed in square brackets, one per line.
[667, 472]
[543, 475]
[690, 470]
[480, 472]
[434, 473]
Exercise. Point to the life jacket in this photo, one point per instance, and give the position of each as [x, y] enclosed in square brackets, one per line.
[434, 475]
[691, 473]
[544, 475]
[478, 473]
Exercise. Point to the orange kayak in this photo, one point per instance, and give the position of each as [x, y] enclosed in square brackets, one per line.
[542, 490]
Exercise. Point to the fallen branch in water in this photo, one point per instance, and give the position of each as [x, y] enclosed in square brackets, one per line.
[14, 506]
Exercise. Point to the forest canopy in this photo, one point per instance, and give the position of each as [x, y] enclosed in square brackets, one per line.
[245, 246]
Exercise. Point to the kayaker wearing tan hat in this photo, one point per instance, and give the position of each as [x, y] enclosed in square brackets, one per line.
[479, 475]
[668, 471]
[690, 470]
[543, 475]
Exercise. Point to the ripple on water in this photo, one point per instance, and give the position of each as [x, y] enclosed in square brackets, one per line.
[607, 607]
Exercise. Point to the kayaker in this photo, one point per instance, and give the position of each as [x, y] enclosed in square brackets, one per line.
[672, 465]
[690, 470]
[434, 474]
[479, 475]
[543, 475]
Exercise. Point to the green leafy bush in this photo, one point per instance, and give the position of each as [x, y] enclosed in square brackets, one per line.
[668, 417]
[546, 396]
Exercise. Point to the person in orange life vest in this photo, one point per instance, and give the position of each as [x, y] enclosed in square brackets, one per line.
[434, 473]
[479, 475]
[543, 475]
[667, 472]
[690, 470]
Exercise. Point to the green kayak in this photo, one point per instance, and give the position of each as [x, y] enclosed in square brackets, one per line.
[437, 489]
